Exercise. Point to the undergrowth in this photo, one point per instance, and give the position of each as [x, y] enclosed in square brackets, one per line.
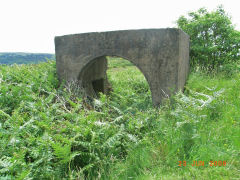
[50, 131]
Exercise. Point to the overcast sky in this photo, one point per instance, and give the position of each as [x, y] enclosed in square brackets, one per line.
[30, 25]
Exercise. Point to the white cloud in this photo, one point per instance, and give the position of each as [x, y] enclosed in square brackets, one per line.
[30, 25]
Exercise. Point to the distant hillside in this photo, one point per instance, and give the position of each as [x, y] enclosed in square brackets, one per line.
[24, 58]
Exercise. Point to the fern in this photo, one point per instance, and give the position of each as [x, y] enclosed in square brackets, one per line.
[50, 131]
[62, 152]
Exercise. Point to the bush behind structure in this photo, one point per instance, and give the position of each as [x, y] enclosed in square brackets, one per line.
[214, 41]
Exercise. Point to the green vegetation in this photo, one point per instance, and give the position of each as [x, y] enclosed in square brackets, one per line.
[24, 58]
[49, 131]
[214, 41]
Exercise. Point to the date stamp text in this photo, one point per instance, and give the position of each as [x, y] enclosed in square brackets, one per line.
[202, 163]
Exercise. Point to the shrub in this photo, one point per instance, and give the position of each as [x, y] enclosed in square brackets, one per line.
[214, 41]
[229, 69]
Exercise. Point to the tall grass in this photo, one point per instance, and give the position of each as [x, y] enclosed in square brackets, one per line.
[50, 131]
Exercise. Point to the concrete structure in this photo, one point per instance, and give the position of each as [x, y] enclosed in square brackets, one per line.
[162, 55]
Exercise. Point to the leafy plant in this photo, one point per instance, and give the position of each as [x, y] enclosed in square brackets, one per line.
[214, 41]
[50, 130]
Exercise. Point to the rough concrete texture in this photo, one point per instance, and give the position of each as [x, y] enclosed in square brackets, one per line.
[162, 55]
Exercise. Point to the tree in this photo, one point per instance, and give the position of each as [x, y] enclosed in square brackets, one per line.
[214, 41]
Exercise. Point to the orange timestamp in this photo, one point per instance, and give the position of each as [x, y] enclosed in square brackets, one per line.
[202, 163]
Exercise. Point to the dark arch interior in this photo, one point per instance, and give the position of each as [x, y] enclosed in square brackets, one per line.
[97, 75]
[98, 86]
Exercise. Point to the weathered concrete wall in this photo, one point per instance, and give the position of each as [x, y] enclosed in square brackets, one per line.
[162, 55]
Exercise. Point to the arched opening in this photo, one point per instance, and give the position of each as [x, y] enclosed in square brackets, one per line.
[118, 77]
